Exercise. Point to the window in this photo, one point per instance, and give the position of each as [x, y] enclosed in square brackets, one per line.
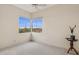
[37, 24]
[24, 25]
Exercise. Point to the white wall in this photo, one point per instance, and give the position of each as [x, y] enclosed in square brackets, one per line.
[57, 20]
[9, 26]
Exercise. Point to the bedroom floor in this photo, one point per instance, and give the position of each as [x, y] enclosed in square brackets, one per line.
[33, 48]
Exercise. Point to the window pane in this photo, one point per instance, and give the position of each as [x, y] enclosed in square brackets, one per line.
[37, 24]
[24, 25]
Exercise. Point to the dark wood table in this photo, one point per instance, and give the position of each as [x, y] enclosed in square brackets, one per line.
[72, 40]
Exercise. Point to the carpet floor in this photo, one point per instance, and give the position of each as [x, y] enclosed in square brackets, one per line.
[33, 48]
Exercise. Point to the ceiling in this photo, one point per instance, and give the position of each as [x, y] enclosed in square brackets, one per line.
[31, 8]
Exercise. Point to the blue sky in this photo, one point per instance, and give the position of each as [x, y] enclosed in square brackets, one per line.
[37, 23]
[25, 22]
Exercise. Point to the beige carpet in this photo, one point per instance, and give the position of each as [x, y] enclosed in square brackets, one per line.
[33, 48]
